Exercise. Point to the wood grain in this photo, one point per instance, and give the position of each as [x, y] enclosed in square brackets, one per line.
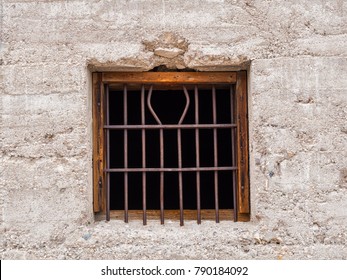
[98, 144]
[170, 77]
[210, 214]
[242, 144]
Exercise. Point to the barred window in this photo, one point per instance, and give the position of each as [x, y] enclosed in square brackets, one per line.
[171, 145]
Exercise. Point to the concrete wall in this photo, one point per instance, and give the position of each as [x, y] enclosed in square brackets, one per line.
[295, 52]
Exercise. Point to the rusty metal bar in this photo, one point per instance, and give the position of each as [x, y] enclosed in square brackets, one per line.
[169, 126]
[183, 169]
[161, 137]
[161, 176]
[215, 152]
[179, 149]
[107, 155]
[143, 138]
[126, 196]
[197, 155]
[185, 108]
[233, 153]
[180, 180]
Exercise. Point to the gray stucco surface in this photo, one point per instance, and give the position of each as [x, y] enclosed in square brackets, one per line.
[295, 54]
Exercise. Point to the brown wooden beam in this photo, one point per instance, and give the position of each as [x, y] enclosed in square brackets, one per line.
[170, 77]
[242, 144]
[206, 214]
[98, 144]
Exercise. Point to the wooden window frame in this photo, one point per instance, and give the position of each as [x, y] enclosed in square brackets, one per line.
[100, 79]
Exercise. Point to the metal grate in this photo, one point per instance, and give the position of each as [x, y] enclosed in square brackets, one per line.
[145, 93]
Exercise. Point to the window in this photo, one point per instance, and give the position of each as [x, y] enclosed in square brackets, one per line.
[171, 145]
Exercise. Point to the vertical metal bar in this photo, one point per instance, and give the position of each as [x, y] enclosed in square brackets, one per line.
[233, 153]
[161, 137]
[161, 176]
[179, 148]
[197, 155]
[143, 137]
[215, 152]
[107, 155]
[125, 108]
[180, 181]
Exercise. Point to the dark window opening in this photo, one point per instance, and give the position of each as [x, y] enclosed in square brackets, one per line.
[169, 106]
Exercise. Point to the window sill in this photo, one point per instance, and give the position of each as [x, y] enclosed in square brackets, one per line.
[224, 215]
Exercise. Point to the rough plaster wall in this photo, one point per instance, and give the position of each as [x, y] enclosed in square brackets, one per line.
[295, 52]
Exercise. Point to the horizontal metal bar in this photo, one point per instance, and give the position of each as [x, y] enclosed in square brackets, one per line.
[168, 169]
[170, 126]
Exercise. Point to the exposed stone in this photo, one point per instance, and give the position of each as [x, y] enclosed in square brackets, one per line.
[169, 40]
[168, 53]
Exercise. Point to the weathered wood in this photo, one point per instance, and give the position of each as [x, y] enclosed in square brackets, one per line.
[102, 145]
[98, 144]
[170, 77]
[210, 214]
[242, 144]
